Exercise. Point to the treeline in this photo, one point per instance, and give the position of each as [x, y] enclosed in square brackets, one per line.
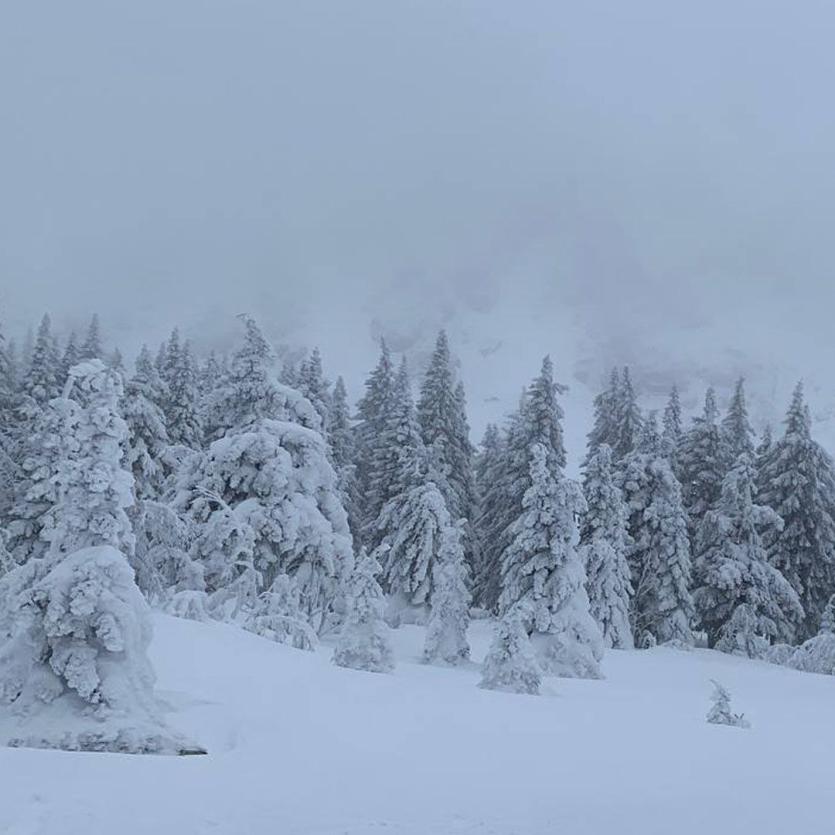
[261, 495]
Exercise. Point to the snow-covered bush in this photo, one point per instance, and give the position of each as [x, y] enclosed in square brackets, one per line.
[364, 640]
[74, 666]
[280, 617]
[189, 605]
[817, 655]
[446, 633]
[511, 664]
[720, 711]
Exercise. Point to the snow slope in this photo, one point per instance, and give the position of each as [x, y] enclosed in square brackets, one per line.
[300, 746]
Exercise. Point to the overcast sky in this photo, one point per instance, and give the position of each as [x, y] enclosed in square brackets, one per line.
[649, 182]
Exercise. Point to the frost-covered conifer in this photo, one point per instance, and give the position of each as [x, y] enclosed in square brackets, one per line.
[373, 410]
[828, 619]
[627, 417]
[364, 642]
[702, 463]
[41, 382]
[733, 570]
[263, 496]
[280, 618]
[399, 463]
[491, 465]
[720, 712]
[74, 664]
[94, 490]
[71, 355]
[797, 480]
[605, 429]
[441, 412]
[672, 427]
[92, 347]
[737, 432]
[147, 435]
[412, 527]
[542, 567]
[311, 383]
[182, 410]
[446, 633]
[659, 556]
[343, 446]
[511, 665]
[603, 543]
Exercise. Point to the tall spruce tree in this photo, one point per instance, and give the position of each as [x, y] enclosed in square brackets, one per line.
[373, 412]
[702, 463]
[737, 432]
[441, 412]
[627, 417]
[672, 427]
[343, 445]
[541, 566]
[603, 544]
[181, 406]
[41, 382]
[491, 518]
[397, 459]
[311, 382]
[147, 436]
[605, 428]
[797, 480]
[92, 347]
[733, 571]
[659, 556]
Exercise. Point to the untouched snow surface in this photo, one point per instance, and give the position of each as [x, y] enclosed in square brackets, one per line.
[297, 745]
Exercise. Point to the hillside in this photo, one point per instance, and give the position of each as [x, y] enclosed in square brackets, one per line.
[300, 746]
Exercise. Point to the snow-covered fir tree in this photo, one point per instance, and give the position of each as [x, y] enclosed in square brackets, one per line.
[71, 355]
[490, 482]
[374, 412]
[94, 489]
[672, 427]
[627, 417]
[659, 556]
[720, 712]
[605, 427]
[441, 412]
[147, 435]
[41, 381]
[399, 460]
[511, 664]
[74, 665]
[413, 527]
[310, 381]
[264, 497]
[797, 480]
[542, 567]
[737, 432]
[446, 632]
[343, 446]
[364, 642]
[603, 544]
[733, 573]
[702, 463]
[181, 406]
[92, 347]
